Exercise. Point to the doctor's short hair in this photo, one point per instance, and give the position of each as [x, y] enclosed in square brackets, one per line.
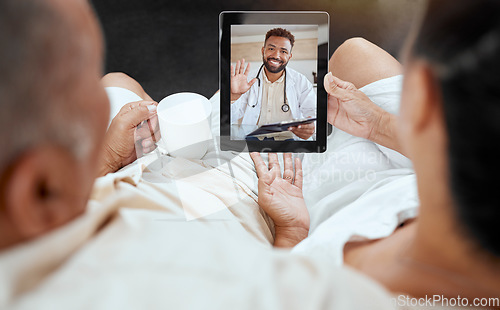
[280, 32]
[41, 59]
[460, 40]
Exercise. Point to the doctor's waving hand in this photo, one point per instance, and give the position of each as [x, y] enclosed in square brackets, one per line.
[239, 80]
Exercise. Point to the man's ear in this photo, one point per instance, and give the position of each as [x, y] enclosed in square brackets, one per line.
[41, 190]
[262, 50]
[427, 109]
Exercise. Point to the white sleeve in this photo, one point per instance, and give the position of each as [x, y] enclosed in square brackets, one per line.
[307, 99]
[238, 108]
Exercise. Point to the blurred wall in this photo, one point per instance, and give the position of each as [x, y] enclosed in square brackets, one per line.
[172, 46]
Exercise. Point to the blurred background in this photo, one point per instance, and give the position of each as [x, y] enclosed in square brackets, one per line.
[173, 46]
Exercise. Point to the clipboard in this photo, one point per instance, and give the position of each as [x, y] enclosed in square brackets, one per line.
[280, 127]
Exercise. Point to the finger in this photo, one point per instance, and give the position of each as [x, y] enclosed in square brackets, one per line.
[303, 134]
[154, 123]
[146, 143]
[137, 115]
[132, 105]
[144, 131]
[155, 127]
[152, 147]
[288, 167]
[273, 161]
[143, 103]
[298, 173]
[148, 129]
[157, 134]
[151, 130]
[247, 70]
[149, 149]
[275, 172]
[232, 70]
[260, 165]
[304, 128]
[264, 187]
[237, 67]
[298, 131]
[242, 68]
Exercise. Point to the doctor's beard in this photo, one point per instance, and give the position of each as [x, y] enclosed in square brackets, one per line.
[270, 68]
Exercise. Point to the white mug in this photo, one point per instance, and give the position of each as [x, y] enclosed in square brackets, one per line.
[184, 120]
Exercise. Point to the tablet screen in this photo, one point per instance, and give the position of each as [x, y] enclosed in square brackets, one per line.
[272, 66]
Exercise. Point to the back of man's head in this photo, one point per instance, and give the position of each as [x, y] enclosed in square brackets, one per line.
[50, 63]
[39, 63]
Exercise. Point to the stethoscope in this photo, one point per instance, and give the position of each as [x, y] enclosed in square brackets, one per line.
[285, 107]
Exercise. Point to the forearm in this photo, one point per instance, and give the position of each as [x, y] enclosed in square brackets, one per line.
[385, 132]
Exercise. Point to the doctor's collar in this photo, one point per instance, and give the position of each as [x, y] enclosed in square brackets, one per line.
[280, 80]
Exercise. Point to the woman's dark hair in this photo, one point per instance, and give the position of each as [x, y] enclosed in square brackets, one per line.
[461, 41]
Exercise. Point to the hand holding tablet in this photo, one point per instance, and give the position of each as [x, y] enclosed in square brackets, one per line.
[304, 131]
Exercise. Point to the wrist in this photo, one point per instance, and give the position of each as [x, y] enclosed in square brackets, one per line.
[109, 162]
[288, 237]
[235, 97]
[385, 131]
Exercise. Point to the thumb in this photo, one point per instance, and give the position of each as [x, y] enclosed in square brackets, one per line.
[139, 114]
[337, 87]
[252, 82]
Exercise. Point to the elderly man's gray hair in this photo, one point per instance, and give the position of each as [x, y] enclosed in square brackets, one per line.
[39, 64]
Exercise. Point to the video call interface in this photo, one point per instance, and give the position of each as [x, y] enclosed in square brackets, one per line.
[274, 80]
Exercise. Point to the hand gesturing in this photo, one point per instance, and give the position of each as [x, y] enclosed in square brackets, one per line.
[239, 80]
[281, 198]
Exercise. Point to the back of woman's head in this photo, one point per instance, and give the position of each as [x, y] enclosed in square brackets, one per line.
[461, 41]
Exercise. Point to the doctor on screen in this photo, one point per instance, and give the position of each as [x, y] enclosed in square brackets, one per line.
[275, 93]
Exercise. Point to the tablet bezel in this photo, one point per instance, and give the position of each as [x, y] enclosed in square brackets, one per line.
[226, 20]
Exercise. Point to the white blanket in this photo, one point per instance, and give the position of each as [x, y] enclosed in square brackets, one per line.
[137, 248]
[357, 190]
[373, 186]
[178, 234]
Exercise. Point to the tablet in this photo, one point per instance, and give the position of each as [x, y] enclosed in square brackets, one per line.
[272, 66]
